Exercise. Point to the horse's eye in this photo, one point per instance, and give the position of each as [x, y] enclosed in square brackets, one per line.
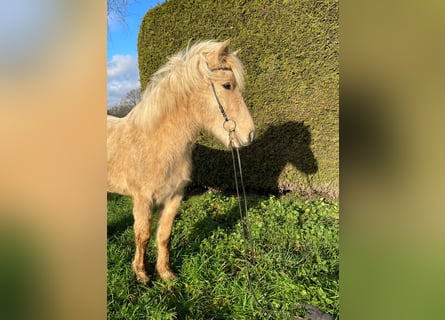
[227, 86]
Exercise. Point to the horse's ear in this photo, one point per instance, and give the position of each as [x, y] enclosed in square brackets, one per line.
[224, 49]
[214, 58]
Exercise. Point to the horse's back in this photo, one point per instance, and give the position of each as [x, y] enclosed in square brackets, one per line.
[111, 128]
[112, 120]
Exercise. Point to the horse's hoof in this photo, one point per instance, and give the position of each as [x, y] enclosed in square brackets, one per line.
[167, 275]
[141, 276]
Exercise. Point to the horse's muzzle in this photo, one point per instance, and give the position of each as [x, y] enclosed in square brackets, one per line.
[245, 142]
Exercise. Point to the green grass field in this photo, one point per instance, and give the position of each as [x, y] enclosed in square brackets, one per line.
[296, 254]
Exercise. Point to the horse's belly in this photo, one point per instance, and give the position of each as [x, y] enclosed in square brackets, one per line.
[117, 176]
[117, 185]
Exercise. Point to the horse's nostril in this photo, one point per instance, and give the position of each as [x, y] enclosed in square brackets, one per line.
[251, 135]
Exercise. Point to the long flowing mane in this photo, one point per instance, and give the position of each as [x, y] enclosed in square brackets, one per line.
[177, 79]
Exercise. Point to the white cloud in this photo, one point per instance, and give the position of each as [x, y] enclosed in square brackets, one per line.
[122, 76]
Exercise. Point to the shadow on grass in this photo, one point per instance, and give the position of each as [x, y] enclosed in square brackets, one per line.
[119, 226]
[120, 222]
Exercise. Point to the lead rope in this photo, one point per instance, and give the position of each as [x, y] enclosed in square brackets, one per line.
[245, 223]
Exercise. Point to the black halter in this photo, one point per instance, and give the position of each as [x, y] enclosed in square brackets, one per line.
[221, 108]
[222, 68]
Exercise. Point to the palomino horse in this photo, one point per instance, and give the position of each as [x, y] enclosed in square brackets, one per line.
[149, 152]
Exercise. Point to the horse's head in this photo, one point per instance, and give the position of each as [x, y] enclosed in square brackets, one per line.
[225, 109]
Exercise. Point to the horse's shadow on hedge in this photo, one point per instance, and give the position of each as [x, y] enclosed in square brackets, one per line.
[263, 161]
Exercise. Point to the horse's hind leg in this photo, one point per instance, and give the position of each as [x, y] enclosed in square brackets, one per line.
[142, 213]
[163, 236]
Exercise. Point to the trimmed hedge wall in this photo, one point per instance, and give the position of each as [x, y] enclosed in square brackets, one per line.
[290, 53]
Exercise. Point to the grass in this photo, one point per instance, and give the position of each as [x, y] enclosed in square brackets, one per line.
[296, 254]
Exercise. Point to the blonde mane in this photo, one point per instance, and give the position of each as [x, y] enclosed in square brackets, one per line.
[183, 72]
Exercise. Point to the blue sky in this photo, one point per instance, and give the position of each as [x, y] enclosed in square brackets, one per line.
[122, 67]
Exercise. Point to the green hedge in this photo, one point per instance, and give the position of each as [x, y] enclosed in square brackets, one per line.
[290, 52]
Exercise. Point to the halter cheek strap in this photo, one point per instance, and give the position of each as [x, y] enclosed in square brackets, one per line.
[221, 108]
[229, 124]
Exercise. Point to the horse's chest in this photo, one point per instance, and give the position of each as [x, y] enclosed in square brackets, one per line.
[174, 179]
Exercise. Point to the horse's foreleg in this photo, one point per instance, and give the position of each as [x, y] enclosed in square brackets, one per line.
[142, 213]
[163, 236]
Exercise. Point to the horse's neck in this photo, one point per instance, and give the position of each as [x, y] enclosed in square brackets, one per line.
[174, 132]
[179, 129]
